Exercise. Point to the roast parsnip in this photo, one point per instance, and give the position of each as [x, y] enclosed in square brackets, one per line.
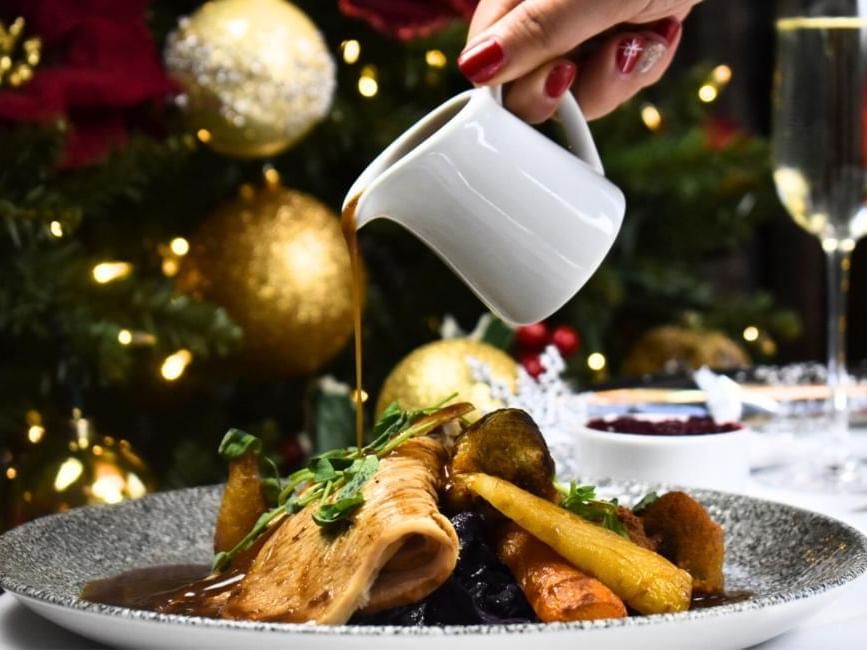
[242, 502]
[645, 581]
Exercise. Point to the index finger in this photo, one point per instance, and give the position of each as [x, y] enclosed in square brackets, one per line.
[487, 13]
[521, 36]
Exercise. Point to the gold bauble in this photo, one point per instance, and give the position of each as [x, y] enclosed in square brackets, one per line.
[256, 75]
[276, 260]
[94, 470]
[672, 349]
[436, 370]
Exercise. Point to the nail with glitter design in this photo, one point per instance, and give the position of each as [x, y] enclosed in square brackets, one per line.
[629, 53]
[652, 54]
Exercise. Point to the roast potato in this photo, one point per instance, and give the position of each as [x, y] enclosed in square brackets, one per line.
[242, 502]
[689, 538]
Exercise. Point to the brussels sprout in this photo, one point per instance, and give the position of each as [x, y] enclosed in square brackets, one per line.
[507, 444]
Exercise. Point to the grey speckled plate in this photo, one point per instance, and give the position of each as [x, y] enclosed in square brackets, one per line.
[794, 562]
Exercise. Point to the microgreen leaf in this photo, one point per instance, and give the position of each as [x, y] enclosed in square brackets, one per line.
[359, 473]
[271, 490]
[339, 458]
[349, 497]
[331, 513]
[337, 475]
[645, 502]
[236, 443]
[582, 500]
[224, 558]
[221, 561]
[323, 470]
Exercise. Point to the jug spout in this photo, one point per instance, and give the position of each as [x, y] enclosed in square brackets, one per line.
[363, 197]
[373, 202]
[369, 191]
[377, 193]
[359, 217]
[365, 192]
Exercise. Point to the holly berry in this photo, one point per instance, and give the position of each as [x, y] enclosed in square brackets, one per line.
[533, 337]
[291, 452]
[532, 364]
[566, 339]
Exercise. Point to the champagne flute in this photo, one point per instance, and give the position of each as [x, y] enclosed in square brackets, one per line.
[820, 170]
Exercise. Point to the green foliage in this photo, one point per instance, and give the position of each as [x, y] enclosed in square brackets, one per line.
[694, 198]
[689, 203]
[334, 419]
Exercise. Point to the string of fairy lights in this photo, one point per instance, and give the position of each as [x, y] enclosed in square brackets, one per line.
[173, 366]
[708, 92]
[19, 56]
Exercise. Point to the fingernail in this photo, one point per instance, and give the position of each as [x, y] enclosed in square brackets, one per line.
[560, 79]
[629, 53]
[668, 28]
[652, 54]
[481, 61]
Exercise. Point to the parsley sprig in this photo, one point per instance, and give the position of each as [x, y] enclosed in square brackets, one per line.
[582, 500]
[335, 479]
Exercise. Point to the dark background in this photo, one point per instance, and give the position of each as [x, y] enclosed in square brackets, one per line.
[782, 258]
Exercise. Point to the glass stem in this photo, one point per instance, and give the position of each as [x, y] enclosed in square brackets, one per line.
[839, 263]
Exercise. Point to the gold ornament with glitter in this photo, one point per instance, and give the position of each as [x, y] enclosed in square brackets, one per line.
[256, 74]
[673, 349]
[436, 370]
[94, 469]
[18, 58]
[277, 261]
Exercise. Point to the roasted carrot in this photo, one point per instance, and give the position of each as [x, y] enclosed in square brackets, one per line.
[555, 589]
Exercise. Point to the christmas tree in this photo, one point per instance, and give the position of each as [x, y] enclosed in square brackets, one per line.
[171, 259]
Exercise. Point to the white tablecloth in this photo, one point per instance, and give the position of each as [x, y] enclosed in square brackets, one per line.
[840, 627]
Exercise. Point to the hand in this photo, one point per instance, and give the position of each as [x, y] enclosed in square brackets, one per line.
[528, 43]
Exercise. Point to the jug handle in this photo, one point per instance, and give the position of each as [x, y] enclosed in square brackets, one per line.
[575, 124]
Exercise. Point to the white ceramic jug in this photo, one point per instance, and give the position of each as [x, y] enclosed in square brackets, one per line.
[520, 219]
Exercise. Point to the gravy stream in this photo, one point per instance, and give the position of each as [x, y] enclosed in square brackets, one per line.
[350, 233]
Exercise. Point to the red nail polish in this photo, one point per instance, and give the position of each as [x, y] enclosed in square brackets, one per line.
[668, 28]
[481, 61]
[629, 53]
[560, 79]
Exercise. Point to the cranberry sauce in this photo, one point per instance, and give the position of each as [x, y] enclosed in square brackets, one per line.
[694, 426]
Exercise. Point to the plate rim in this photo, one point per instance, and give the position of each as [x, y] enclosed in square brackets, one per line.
[43, 595]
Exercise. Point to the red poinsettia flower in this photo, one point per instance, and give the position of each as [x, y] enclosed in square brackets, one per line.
[408, 19]
[99, 66]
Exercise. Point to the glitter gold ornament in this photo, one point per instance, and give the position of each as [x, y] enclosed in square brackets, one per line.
[277, 261]
[93, 470]
[436, 370]
[256, 75]
[672, 349]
